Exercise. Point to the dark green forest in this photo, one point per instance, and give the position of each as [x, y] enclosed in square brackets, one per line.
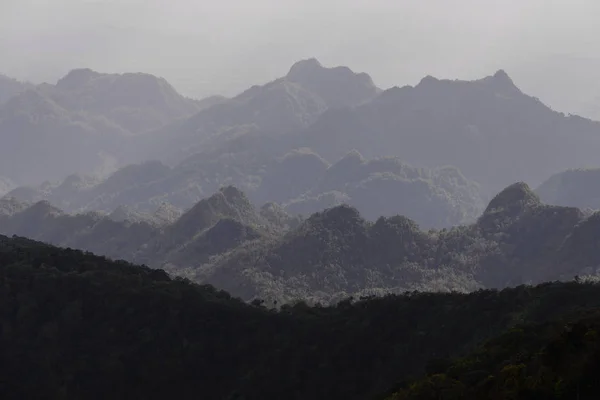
[75, 325]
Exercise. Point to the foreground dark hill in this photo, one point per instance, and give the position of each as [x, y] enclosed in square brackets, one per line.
[72, 321]
[265, 253]
[82, 123]
[488, 128]
[574, 188]
[300, 181]
[554, 360]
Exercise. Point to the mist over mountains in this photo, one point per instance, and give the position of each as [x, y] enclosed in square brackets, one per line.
[310, 200]
[345, 220]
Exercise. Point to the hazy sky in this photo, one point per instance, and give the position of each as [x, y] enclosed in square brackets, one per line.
[549, 47]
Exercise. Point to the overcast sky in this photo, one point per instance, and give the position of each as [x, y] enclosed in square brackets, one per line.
[549, 47]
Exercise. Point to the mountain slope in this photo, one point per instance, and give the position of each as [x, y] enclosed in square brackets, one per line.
[573, 188]
[135, 101]
[336, 253]
[301, 181]
[225, 241]
[488, 128]
[73, 321]
[213, 226]
[82, 124]
[436, 198]
[557, 360]
[274, 109]
[10, 87]
[44, 141]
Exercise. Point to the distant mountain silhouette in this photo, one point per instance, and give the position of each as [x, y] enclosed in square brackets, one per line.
[135, 101]
[81, 124]
[488, 128]
[301, 181]
[573, 188]
[441, 197]
[276, 108]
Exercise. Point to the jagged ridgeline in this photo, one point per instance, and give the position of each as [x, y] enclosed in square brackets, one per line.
[111, 120]
[269, 254]
[82, 123]
[71, 322]
[300, 181]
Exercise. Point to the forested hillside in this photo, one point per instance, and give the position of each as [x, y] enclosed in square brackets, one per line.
[553, 360]
[71, 322]
[266, 253]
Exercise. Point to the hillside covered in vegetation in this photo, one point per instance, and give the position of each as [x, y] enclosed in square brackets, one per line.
[72, 322]
[266, 253]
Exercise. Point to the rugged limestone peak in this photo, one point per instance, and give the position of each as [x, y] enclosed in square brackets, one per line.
[304, 69]
[518, 195]
[342, 218]
[338, 86]
[228, 202]
[77, 78]
[235, 197]
[501, 75]
[427, 81]
[500, 82]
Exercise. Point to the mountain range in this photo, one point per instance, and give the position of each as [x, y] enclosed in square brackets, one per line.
[315, 237]
[82, 123]
[266, 253]
[494, 133]
[300, 181]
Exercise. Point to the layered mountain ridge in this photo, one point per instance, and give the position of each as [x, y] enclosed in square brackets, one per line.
[265, 253]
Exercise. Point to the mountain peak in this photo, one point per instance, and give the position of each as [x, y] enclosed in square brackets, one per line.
[500, 81]
[235, 196]
[428, 80]
[518, 195]
[76, 78]
[353, 157]
[501, 74]
[228, 202]
[304, 67]
[342, 218]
